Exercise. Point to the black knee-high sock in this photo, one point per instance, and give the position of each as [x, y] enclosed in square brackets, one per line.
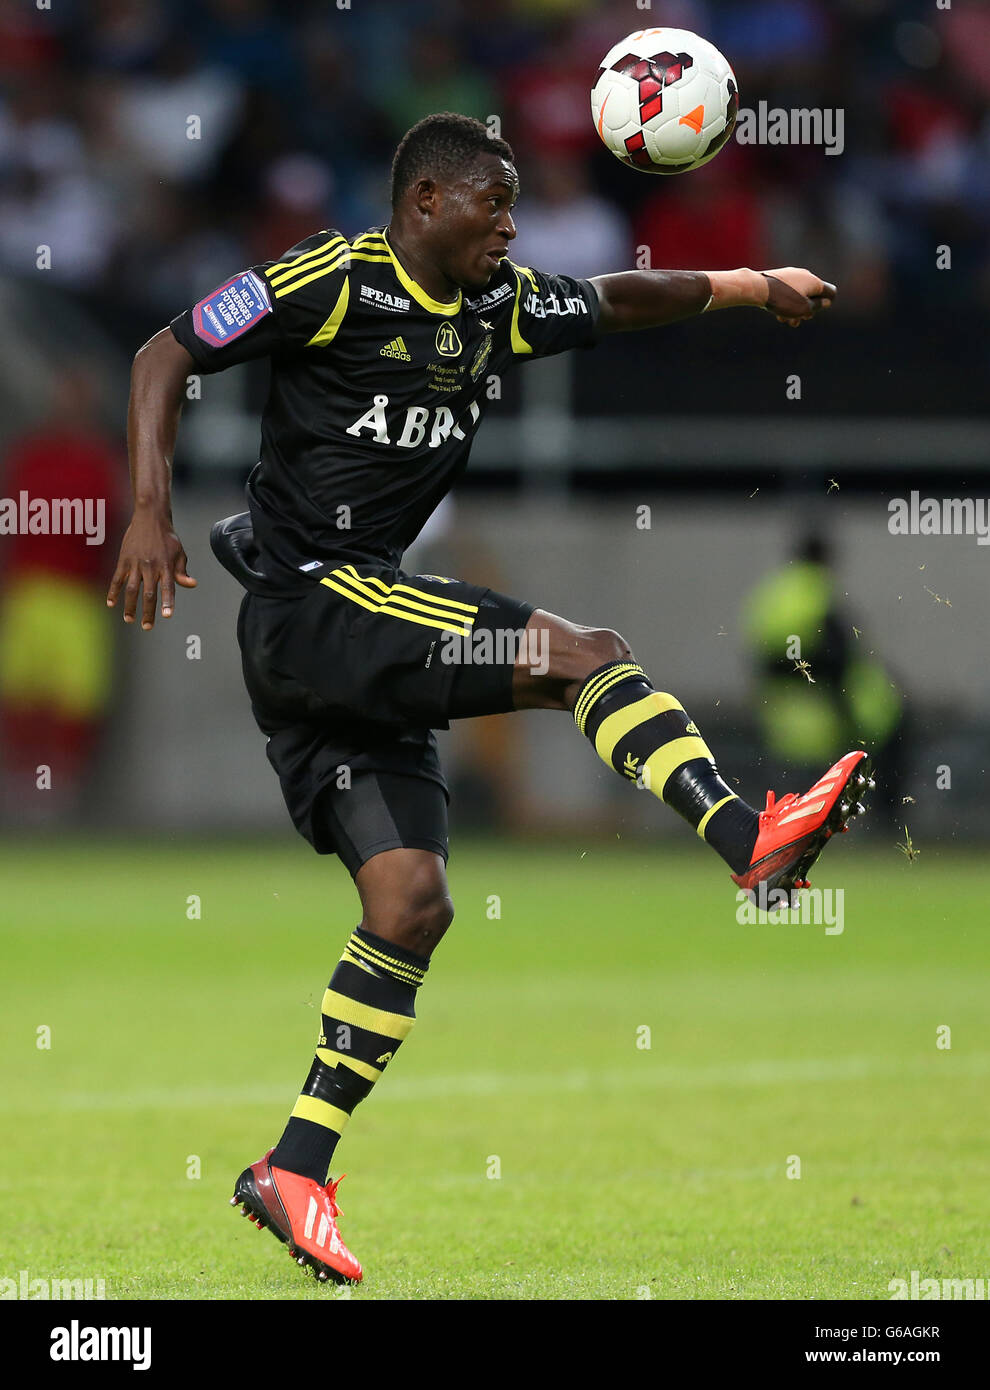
[645, 735]
[368, 1009]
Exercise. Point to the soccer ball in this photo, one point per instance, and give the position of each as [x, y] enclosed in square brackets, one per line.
[665, 101]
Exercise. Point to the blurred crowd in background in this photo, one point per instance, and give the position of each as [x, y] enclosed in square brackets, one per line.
[300, 109]
[294, 114]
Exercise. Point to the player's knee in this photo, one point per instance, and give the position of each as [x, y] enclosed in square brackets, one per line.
[602, 645]
[417, 917]
[428, 915]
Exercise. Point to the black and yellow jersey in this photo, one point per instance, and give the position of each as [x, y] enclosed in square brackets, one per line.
[376, 388]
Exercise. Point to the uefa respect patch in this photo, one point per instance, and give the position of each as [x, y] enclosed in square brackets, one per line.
[231, 310]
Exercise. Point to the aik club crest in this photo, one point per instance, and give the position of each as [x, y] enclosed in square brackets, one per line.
[480, 358]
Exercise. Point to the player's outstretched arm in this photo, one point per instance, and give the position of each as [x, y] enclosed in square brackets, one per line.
[151, 553]
[635, 299]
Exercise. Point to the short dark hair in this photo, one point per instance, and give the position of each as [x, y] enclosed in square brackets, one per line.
[441, 147]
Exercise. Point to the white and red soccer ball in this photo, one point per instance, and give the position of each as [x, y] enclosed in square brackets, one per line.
[665, 101]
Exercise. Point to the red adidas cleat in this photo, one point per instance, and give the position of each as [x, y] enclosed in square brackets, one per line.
[302, 1214]
[794, 830]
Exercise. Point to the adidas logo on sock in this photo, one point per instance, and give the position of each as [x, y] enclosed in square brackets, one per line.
[397, 349]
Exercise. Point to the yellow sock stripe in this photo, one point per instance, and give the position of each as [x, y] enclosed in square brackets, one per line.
[362, 965]
[320, 1112]
[617, 725]
[325, 247]
[669, 758]
[328, 332]
[366, 581]
[413, 973]
[385, 961]
[702, 824]
[341, 1009]
[334, 1059]
[398, 607]
[604, 684]
[605, 681]
[599, 685]
[353, 954]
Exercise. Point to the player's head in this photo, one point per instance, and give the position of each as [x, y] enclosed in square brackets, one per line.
[453, 186]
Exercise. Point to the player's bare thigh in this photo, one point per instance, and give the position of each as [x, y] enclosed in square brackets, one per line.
[557, 657]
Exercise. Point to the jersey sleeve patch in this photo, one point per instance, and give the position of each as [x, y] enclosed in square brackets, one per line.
[231, 310]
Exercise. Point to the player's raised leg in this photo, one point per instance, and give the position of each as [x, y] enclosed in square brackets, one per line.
[646, 735]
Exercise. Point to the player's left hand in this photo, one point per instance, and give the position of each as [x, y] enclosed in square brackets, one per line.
[796, 295]
[150, 554]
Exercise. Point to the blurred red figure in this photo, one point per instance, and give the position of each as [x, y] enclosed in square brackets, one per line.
[55, 639]
[710, 218]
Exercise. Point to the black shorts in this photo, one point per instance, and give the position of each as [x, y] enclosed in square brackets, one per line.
[349, 680]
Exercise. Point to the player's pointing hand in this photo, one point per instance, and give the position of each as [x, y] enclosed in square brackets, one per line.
[794, 295]
[150, 554]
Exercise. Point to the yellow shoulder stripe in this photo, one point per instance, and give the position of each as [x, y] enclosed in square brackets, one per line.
[294, 279]
[328, 332]
[329, 255]
[516, 340]
[333, 241]
[525, 270]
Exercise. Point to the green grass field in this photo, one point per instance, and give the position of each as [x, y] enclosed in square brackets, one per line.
[623, 1169]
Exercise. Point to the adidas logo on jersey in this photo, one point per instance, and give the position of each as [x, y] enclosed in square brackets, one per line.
[397, 349]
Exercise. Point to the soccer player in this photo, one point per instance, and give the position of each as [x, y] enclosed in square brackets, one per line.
[380, 349]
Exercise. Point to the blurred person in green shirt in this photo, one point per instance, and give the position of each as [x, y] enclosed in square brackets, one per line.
[821, 685]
